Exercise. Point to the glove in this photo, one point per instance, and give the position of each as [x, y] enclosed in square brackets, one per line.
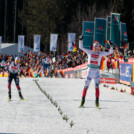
[111, 43]
[81, 37]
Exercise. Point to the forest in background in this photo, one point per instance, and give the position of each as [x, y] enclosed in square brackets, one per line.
[29, 17]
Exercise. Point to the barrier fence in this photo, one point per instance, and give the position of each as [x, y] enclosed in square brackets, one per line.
[124, 75]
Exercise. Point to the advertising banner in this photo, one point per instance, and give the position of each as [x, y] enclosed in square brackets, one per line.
[126, 73]
[115, 29]
[108, 27]
[123, 33]
[71, 41]
[36, 43]
[100, 30]
[20, 43]
[88, 30]
[53, 42]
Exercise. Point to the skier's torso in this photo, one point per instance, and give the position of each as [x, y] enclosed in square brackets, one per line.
[94, 59]
[14, 69]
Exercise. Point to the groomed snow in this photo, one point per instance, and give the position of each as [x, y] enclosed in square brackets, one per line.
[39, 116]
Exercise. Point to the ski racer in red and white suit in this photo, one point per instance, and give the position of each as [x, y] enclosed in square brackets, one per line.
[13, 73]
[94, 60]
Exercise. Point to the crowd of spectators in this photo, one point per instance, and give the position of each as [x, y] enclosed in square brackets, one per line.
[31, 62]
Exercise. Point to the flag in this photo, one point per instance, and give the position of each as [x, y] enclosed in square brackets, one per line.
[74, 47]
[114, 64]
[31, 74]
[29, 69]
[41, 74]
[62, 73]
[102, 65]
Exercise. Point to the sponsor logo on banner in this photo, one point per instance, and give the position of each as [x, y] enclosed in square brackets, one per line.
[100, 27]
[125, 33]
[88, 30]
[108, 80]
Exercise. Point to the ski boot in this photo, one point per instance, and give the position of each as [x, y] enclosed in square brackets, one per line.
[20, 95]
[9, 96]
[82, 102]
[97, 103]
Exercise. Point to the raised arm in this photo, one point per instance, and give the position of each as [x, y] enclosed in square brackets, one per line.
[107, 53]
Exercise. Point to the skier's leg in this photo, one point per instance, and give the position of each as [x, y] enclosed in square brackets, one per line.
[16, 79]
[87, 83]
[97, 92]
[9, 87]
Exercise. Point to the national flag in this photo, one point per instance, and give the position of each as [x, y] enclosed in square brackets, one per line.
[65, 55]
[31, 74]
[29, 69]
[29, 60]
[102, 65]
[46, 73]
[106, 41]
[62, 73]
[125, 45]
[43, 53]
[74, 47]
[114, 64]
[41, 74]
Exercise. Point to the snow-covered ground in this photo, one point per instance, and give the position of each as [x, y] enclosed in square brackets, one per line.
[39, 116]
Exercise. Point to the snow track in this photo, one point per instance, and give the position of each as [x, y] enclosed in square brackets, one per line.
[39, 116]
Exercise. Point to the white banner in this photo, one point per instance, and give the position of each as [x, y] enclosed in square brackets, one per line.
[0, 42]
[20, 43]
[36, 43]
[71, 41]
[53, 42]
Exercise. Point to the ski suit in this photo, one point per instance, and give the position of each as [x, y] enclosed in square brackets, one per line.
[13, 74]
[94, 60]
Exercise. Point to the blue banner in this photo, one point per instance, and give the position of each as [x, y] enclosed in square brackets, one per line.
[88, 30]
[126, 72]
[100, 30]
[71, 41]
[20, 43]
[53, 42]
[36, 43]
